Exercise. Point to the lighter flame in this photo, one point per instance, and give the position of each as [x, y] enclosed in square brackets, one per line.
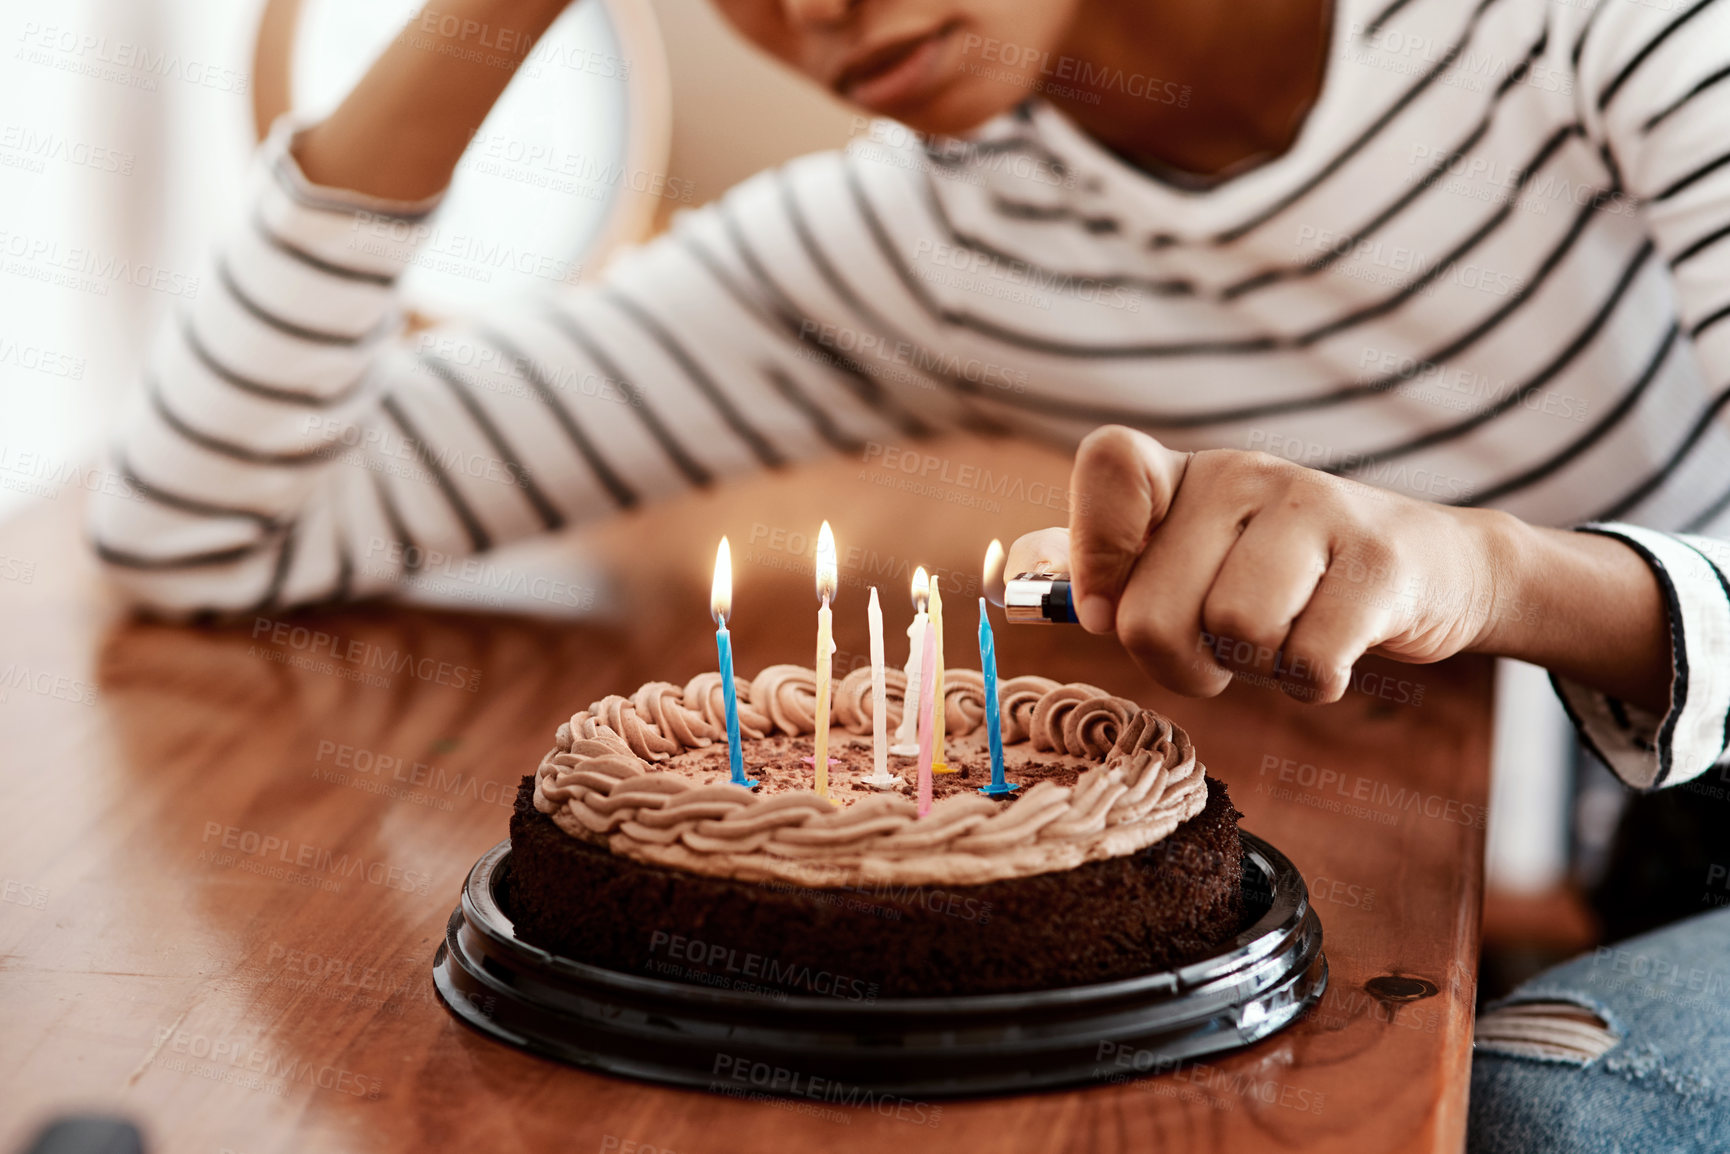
[826, 569]
[721, 592]
[921, 589]
[994, 590]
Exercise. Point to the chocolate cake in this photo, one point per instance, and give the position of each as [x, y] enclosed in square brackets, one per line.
[632, 850]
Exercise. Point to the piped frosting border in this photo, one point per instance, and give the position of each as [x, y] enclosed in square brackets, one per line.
[601, 783]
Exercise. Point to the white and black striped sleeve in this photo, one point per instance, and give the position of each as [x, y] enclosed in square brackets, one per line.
[290, 444]
[1653, 86]
[1648, 751]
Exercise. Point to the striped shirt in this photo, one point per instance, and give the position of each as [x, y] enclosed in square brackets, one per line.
[1493, 269]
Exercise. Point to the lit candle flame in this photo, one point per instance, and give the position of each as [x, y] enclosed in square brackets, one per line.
[826, 568]
[994, 590]
[921, 589]
[721, 592]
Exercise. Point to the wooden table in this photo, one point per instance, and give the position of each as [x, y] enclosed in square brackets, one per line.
[226, 862]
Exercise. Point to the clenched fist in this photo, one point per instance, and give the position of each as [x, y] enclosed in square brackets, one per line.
[1221, 562]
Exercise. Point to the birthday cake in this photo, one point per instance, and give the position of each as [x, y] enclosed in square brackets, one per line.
[631, 849]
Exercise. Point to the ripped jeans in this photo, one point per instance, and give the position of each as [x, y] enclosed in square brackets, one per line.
[1625, 1049]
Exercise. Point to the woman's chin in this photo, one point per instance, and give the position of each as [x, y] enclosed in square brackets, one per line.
[957, 110]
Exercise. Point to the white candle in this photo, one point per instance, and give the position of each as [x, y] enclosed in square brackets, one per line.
[880, 777]
[935, 678]
[907, 733]
[826, 582]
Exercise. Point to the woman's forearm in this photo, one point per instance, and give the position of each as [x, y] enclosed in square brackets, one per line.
[1584, 606]
[400, 133]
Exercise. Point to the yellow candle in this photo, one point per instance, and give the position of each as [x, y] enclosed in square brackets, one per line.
[935, 609]
[826, 582]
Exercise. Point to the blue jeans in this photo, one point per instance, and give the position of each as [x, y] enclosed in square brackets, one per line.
[1662, 1081]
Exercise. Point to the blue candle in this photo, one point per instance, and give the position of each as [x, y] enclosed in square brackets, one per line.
[735, 757]
[720, 601]
[993, 718]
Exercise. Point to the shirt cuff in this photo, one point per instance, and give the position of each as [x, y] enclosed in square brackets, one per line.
[1649, 751]
[351, 233]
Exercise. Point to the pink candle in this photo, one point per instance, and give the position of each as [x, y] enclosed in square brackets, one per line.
[927, 720]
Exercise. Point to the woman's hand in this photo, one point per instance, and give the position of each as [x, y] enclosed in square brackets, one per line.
[1221, 562]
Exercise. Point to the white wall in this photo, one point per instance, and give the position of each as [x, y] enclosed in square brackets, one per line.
[101, 102]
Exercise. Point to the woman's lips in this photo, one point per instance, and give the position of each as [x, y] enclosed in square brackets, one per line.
[896, 75]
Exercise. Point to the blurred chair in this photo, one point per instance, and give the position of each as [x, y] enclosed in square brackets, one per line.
[568, 168]
[570, 165]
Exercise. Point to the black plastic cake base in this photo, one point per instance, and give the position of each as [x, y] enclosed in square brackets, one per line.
[1103, 921]
[889, 1055]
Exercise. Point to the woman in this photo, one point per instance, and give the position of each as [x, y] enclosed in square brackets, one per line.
[1460, 271]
